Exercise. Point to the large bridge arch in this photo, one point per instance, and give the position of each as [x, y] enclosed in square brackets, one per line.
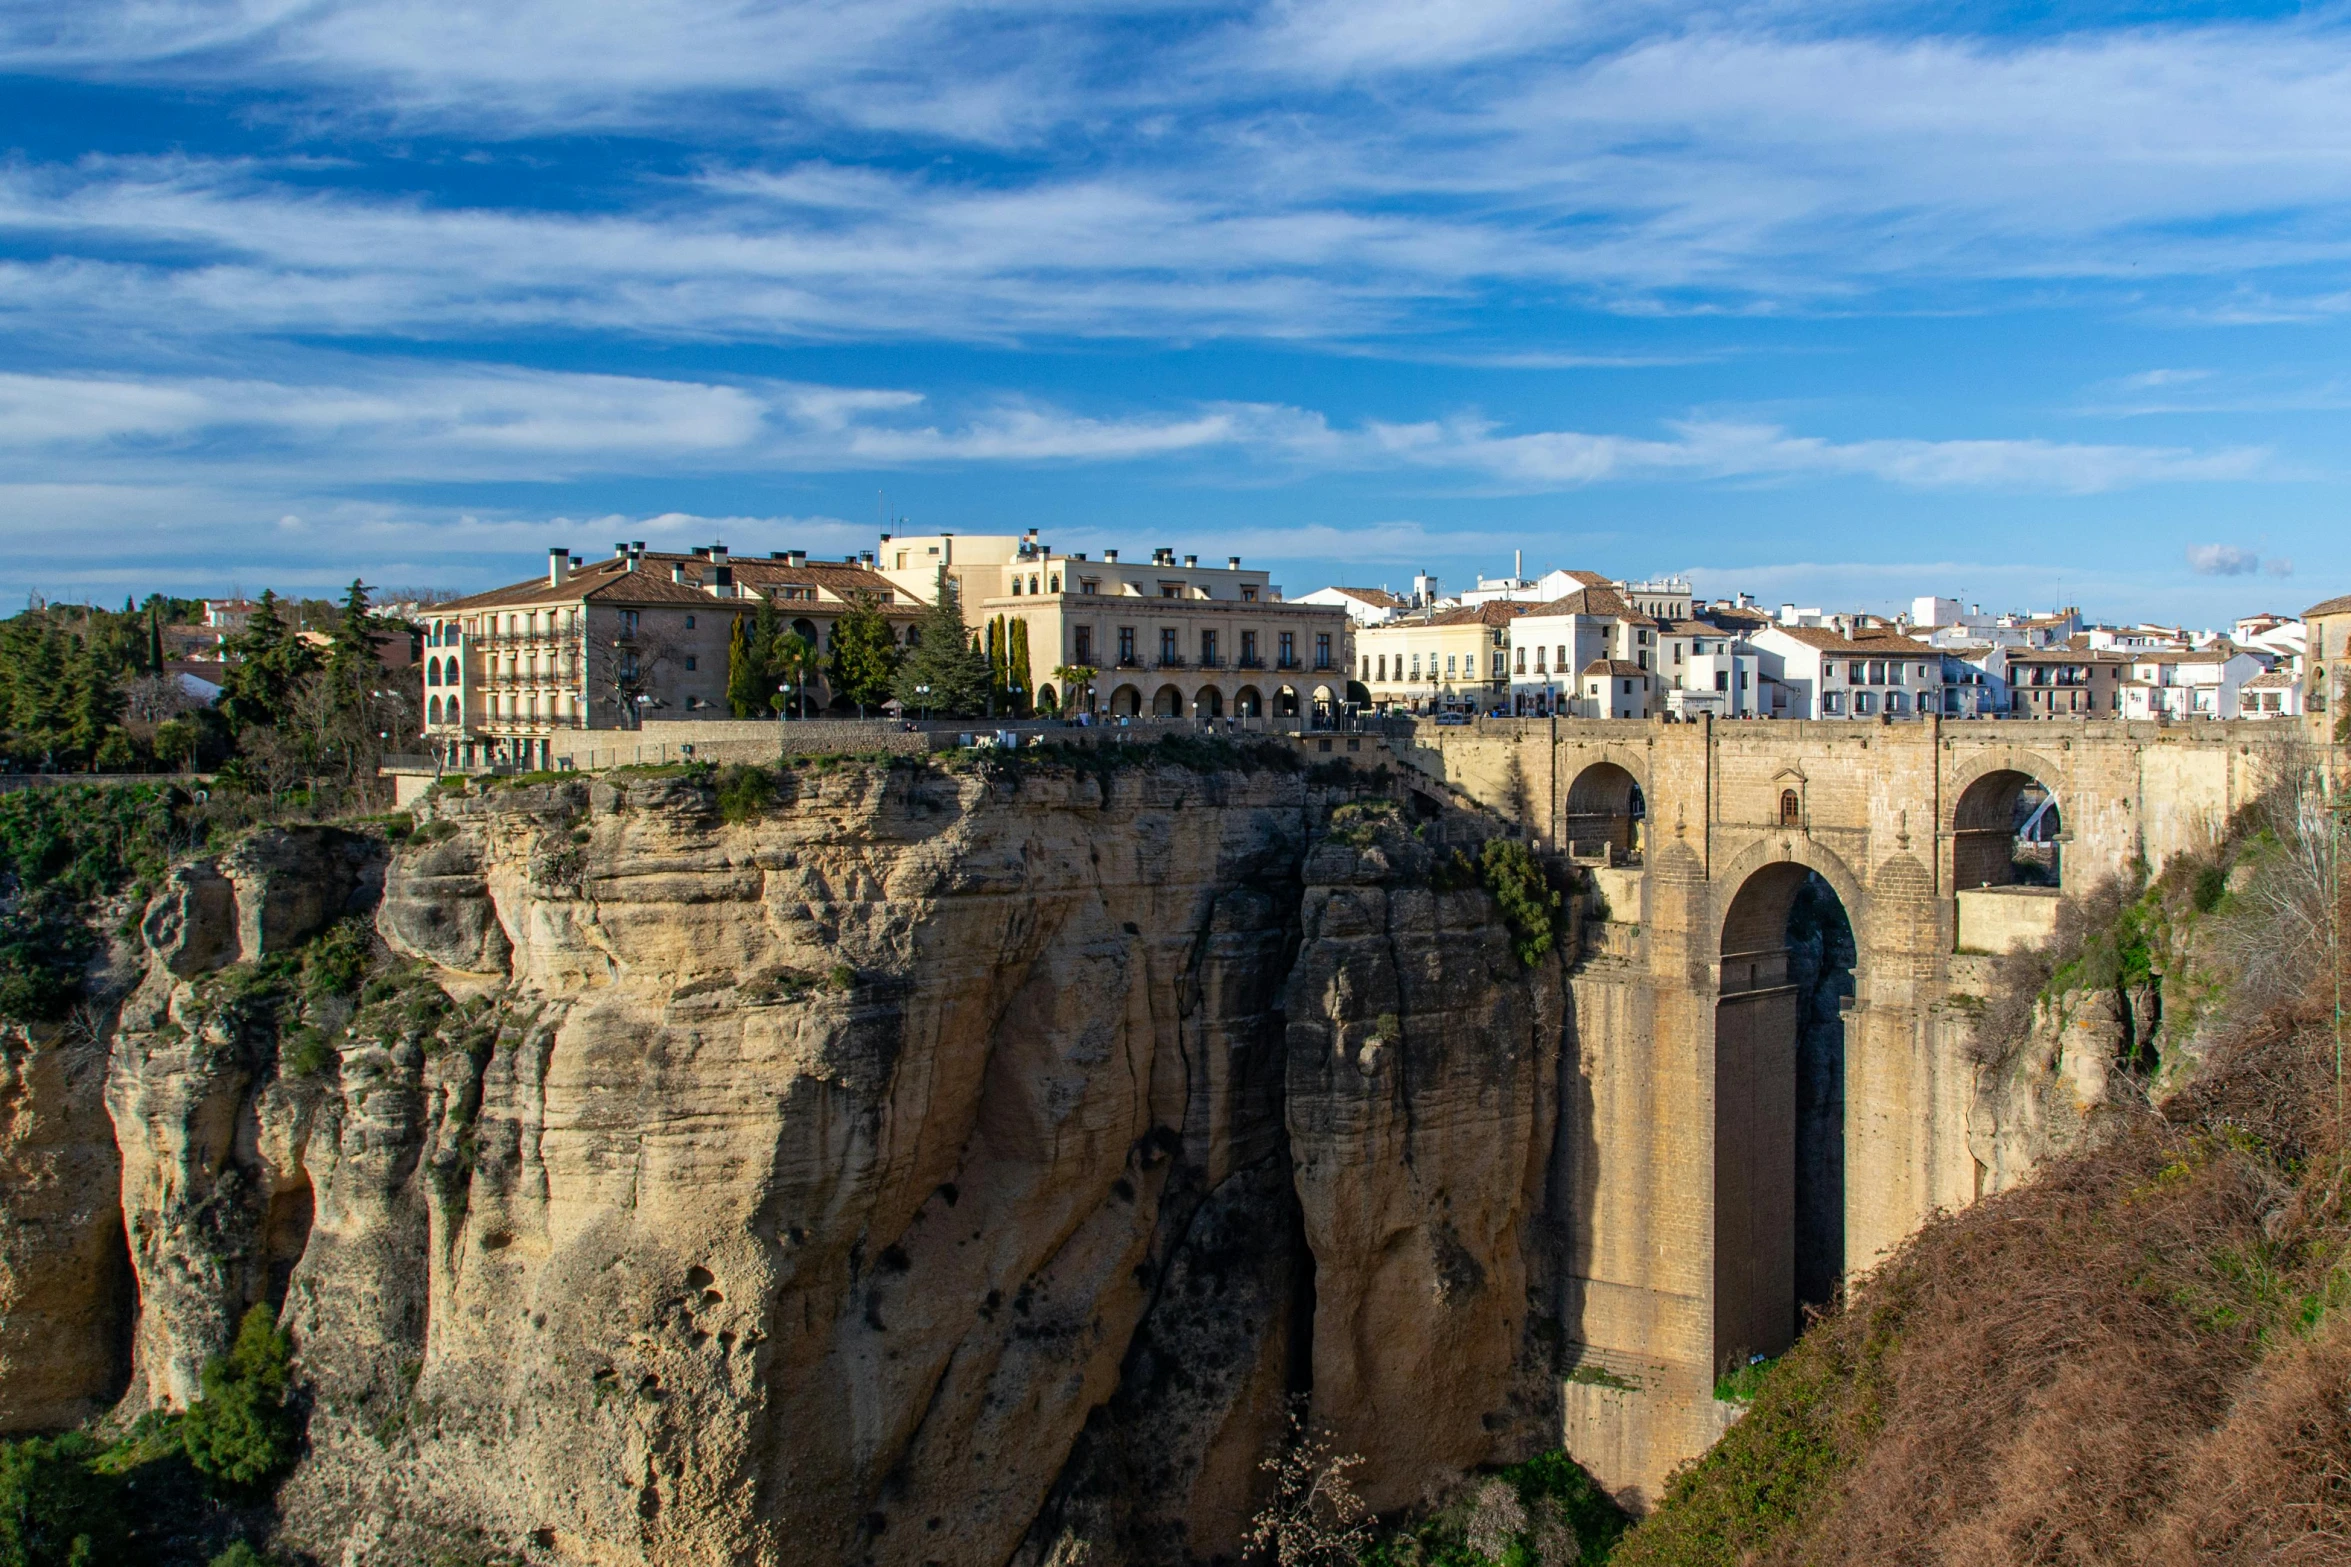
[1785, 956]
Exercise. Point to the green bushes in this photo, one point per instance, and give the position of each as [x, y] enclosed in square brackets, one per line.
[62, 849]
[1546, 1512]
[240, 1434]
[1515, 877]
[56, 1508]
[745, 793]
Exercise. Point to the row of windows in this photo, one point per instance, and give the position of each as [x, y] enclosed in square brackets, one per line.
[1457, 666]
[529, 622]
[1877, 672]
[1211, 648]
[1866, 703]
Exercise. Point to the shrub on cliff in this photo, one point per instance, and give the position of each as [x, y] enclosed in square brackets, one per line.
[745, 793]
[240, 1434]
[1515, 877]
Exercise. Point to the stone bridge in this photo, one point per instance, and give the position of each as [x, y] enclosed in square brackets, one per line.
[1763, 1103]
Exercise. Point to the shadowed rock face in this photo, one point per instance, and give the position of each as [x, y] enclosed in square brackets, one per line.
[932, 1169]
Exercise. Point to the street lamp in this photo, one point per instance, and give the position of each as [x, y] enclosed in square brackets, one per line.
[923, 694]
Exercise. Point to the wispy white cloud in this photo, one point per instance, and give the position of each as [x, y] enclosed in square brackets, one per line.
[1308, 169]
[427, 421]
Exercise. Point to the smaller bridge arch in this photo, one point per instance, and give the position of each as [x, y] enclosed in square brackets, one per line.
[2007, 827]
[1604, 814]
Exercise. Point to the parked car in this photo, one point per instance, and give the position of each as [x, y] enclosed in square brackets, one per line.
[1452, 718]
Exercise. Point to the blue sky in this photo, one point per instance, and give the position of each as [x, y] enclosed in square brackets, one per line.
[1839, 303]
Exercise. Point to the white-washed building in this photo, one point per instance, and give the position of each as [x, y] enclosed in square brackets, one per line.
[2205, 684]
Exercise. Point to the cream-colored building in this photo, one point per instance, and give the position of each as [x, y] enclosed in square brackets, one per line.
[600, 645]
[1167, 638]
[1442, 660]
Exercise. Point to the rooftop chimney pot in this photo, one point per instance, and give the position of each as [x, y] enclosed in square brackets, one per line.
[1232, 563]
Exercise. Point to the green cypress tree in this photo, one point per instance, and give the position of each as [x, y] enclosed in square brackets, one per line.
[999, 662]
[155, 658]
[1024, 697]
[746, 674]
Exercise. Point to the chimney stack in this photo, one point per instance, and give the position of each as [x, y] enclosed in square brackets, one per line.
[677, 571]
[1232, 563]
[558, 565]
[620, 549]
[795, 557]
[1110, 557]
[1191, 562]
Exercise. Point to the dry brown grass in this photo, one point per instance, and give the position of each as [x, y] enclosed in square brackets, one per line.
[2145, 1355]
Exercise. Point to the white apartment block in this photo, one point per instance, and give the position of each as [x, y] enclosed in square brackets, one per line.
[1818, 673]
[2173, 685]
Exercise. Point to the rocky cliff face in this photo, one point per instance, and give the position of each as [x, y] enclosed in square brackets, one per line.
[917, 1167]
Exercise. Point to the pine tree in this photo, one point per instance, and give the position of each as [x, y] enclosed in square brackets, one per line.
[92, 700]
[267, 664]
[865, 655]
[943, 659]
[351, 655]
[154, 638]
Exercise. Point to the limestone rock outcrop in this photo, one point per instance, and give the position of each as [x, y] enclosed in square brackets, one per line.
[64, 1278]
[962, 1166]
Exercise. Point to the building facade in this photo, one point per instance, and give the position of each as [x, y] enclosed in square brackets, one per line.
[1165, 638]
[1455, 660]
[601, 645]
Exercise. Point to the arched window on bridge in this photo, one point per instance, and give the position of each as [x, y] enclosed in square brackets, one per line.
[1791, 809]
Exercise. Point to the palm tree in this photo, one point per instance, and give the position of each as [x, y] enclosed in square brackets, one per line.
[1077, 685]
[795, 656]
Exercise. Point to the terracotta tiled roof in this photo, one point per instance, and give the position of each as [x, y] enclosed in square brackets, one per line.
[2271, 680]
[609, 581]
[1499, 613]
[1829, 641]
[1612, 667]
[1593, 600]
[2333, 606]
[1378, 598]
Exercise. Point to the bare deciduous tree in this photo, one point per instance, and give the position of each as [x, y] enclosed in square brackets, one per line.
[1314, 1518]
